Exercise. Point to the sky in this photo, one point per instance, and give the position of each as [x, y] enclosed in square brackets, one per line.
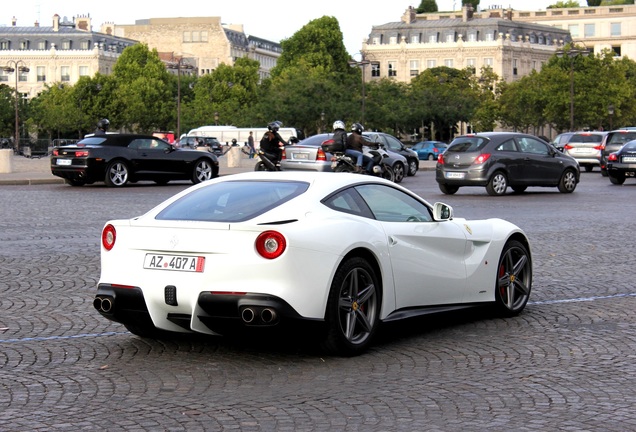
[273, 19]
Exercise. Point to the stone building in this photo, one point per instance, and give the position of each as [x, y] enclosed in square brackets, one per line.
[511, 48]
[60, 53]
[204, 41]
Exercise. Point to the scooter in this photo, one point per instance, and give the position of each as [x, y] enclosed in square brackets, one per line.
[267, 162]
[341, 162]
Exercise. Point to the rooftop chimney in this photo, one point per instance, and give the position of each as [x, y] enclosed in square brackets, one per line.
[14, 22]
[56, 22]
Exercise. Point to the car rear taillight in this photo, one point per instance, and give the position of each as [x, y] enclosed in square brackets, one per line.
[482, 158]
[81, 153]
[598, 147]
[56, 152]
[320, 155]
[284, 155]
[612, 157]
[270, 244]
[435, 150]
[440, 159]
[568, 147]
[108, 237]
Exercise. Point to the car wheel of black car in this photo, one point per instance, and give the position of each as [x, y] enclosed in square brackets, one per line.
[414, 165]
[498, 184]
[398, 172]
[617, 179]
[519, 189]
[202, 171]
[117, 174]
[448, 189]
[567, 184]
[514, 279]
[353, 308]
[74, 182]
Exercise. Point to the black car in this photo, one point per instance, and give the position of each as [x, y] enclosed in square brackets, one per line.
[622, 164]
[211, 143]
[497, 160]
[393, 144]
[117, 159]
[612, 142]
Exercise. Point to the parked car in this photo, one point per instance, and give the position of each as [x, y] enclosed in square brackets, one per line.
[497, 160]
[392, 144]
[612, 142]
[307, 155]
[117, 159]
[561, 140]
[622, 163]
[585, 147]
[429, 150]
[201, 143]
[342, 252]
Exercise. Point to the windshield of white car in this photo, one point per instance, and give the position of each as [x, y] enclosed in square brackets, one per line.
[232, 201]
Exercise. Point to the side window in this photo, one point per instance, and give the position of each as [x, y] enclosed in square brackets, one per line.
[531, 145]
[158, 144]
[392, 205]
[393, 143]
[348, 201]
[506, 146]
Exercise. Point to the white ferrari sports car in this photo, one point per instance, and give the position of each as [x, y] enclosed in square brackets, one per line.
[272, 249]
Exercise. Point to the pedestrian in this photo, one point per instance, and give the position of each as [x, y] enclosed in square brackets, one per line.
[250, 144]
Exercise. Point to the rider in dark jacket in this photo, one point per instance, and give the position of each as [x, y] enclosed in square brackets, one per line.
[272, 143]
[354, 147]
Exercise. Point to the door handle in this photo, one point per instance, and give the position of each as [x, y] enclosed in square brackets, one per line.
[392, 241]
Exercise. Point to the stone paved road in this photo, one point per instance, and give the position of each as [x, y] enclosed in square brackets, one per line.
[567, 363]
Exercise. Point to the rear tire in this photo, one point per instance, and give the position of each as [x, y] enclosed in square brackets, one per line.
[260, 166]
[398, 172]
[414, 165]
[497, 185]
[567, 184]
[618, 179]
[117, 174]
[430, 156]
[353, 308]
[448, 189]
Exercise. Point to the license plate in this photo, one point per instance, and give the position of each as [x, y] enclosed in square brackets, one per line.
[629, 159]
[174, 262]
[63, 162]
[582, 151]
[455, 175]
[303, 156]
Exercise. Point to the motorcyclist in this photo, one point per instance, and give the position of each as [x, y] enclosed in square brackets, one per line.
[339, 136]
[355, 143]
[272, 143]
[102, 127]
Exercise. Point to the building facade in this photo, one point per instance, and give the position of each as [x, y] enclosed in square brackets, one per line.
[205, 41]
[61, 53]
[512, 49]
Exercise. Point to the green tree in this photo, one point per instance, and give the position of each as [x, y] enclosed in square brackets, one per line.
[473, 3]
[7, 111]
[565, 4]
[521, 104]
[427, 6]
[386, 107]
[488, 87]
[141, 91]
[593, 3]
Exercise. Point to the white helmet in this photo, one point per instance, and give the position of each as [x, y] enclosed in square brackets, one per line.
[338, 124]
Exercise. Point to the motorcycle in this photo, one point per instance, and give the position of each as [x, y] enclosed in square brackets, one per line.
[267, 162]
[341, 162]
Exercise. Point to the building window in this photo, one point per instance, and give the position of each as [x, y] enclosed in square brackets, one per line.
[488, 61]
[414, 67]
[66, 45]
[24, 45]
[515, 71]
[590, 30]
[472, 37]
[392, 69]
[83, 71]
[375, 70]
[66, 74]
[4, 45]
[617, 50]
[85, 45]
[4, 76]
[376, 41]
[393, 40]
[448, 63]
[471, 63]
[415, 39]
[41, 45]
[196, 37]
[574, 30]
[450, 38]
[432, 39]
[23, 76]
[204, 36]
[615, 29]
[41, 73]
[187, 37]
[534, 64]
[430, 64]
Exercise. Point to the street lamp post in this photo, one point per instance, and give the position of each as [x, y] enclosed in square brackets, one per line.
[179, 64]
[322, 121]
[18, 66]
[572, 54]
[361, 64]
[216, 118]
[610, 111]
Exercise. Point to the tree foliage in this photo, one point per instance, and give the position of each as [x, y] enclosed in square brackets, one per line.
[427, 6]
[564, 4]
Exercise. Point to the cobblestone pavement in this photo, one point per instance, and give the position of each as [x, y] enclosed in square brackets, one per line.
[567, 363]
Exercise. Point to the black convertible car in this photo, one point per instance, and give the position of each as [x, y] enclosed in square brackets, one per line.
[117, 159]
[622, 164]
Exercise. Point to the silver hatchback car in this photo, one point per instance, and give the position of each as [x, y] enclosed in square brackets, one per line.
[585, 147]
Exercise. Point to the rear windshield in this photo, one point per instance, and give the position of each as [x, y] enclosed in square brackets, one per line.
[621, 138]
[586, 138]
[93, 140]
[232, 201]
[467, 144]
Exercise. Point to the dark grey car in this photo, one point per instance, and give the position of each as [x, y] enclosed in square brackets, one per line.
[496, 160]
[613, 142]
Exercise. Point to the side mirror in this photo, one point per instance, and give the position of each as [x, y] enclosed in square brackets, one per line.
[442, 212]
